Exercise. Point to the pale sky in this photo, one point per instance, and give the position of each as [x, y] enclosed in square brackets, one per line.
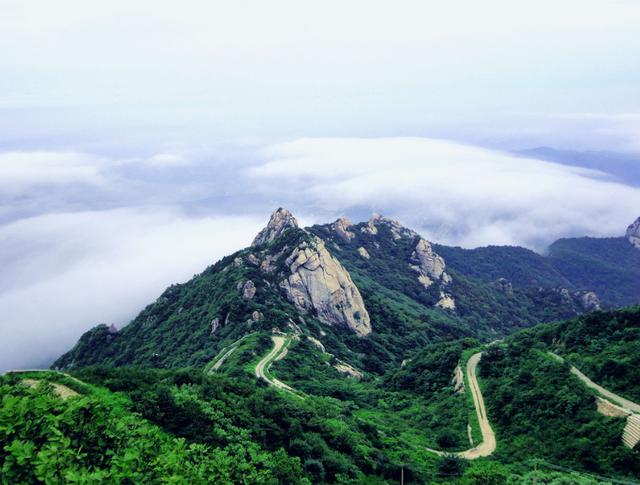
[518, 74]
[140, 141]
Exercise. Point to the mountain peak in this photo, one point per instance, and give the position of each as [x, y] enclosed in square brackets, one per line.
[279, 222]
[397, 230]
[633, 233]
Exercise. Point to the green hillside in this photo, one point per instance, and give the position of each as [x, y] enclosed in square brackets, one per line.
[327, 355]
[608, 266]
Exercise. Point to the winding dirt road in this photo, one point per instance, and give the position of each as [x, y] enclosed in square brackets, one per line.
[221, 360]
[488, 445]
[267, 360]
[625, 403]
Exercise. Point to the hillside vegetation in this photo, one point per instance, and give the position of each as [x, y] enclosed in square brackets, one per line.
[337, 354]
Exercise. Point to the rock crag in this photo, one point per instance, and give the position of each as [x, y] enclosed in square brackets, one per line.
[280, 221]
[318, 282]
[429, 265]
[633, 233]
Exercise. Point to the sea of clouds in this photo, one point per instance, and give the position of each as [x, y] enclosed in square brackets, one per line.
[87, 238]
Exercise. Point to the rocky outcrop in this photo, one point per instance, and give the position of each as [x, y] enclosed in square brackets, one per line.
[429, 265]
[215, 325]
[577, 302]
[341, 227]
[248, 290]
[458, 380]
[348, 369]
[318, 282]
[587, 300]
[503, 285]
[398, 231]
[363, 252]
[317, 343]
[633, 233]
[280, 221]
[446, 302]
[269, 263]
[256, 316]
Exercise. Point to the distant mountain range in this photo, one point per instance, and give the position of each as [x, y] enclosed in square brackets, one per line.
[624, 166]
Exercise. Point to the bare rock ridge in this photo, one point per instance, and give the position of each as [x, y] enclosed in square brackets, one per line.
[280, 221]
[633, 233]
[588, 300]
[424, 260]
[341, 227]
[429, 265]
[398, 231]
[319, 282]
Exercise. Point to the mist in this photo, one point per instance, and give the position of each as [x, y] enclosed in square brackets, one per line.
[142, 141]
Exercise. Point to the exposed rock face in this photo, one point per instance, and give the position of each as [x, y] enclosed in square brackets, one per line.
[371, 228]
[633, 233]
[256, 316]
[578, 302]
[215, 325]
[317, 343]
[363, 252]
[349, 370]
[458, 379]
[280, 221]
[446, 302]
[588, 300]
[503, 285]
[248, 290]
[253, 260]
[341, 227]
[398, 231]
[319, 282]
[268, 265]
[429, 265]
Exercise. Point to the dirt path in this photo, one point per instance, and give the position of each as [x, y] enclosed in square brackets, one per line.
[221, 360]
[488, 445]
[224, 354]
[62, 391]
[625, 403]
[263, 366]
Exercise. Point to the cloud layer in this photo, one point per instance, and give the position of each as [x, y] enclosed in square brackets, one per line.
[87, 238]
[63, 273]
[453, 193]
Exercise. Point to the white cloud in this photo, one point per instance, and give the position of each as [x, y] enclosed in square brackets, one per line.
[67, 272]
[166, 160]
[453, 193]
[20, 170]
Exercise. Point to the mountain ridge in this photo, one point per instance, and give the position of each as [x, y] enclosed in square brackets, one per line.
[376, 279]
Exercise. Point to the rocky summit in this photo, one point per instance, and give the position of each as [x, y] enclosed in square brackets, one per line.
[633, 233]
[280, 221]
